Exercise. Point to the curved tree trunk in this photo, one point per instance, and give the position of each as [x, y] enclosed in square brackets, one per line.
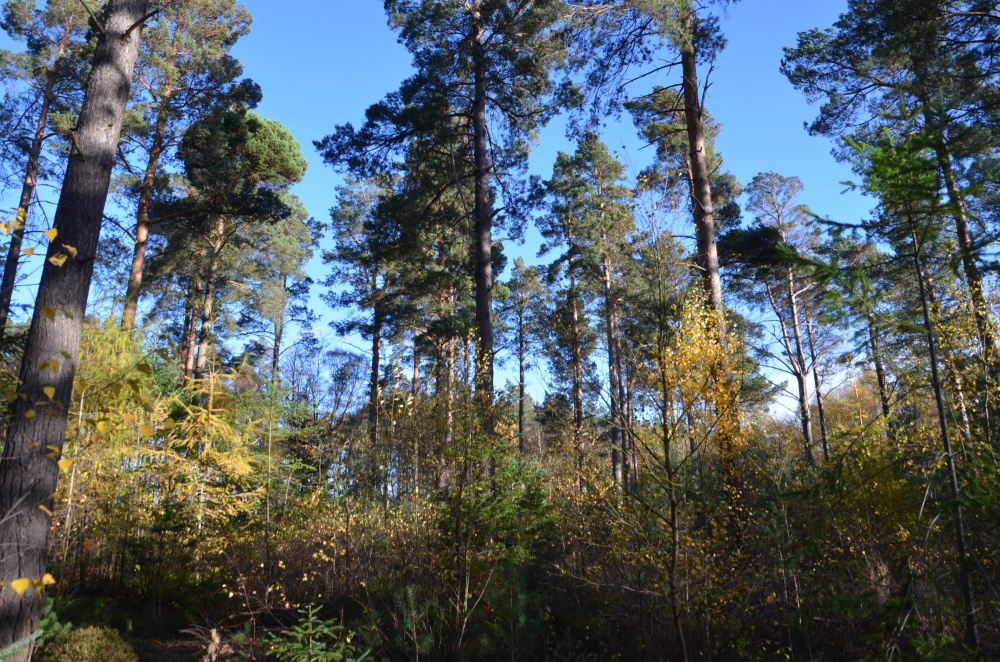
[28, 469]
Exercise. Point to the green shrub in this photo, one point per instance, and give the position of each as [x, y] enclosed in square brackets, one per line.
[89, 645]
[313, 640]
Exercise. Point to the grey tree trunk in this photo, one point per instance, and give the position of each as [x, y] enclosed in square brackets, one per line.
[820, 409]
[28, 469]
[27, 190]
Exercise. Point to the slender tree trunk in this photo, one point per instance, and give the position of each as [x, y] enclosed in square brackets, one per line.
[207, 307]
[185, 330]
[964, 570]
[143, 222]
[701, 189]
[614, 379]
[27, 190]
[820, 409]
[192, 338]
[28, 469]
[521, 358]
[876, 351]
[951, 367]
[805, 411]
[373, 391]
[577, 370]
[482, 244]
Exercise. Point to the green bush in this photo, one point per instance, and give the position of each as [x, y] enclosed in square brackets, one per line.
[89, 645]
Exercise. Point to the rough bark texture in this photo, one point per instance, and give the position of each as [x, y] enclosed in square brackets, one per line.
[973, 278]
[143, 222]
[701, 189]
[482, 244]
[27, 190]
[29, 470]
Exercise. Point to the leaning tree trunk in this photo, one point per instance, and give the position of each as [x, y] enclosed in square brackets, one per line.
[880, 376]
[29, 470]
[27, 190]
[958, 518]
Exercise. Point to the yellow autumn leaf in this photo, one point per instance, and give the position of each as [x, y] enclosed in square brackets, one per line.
[50, 392]
[22, 214]
[45, 510]
[144, 369]
[103, 427]
[146, 430]
[58, 260]
[53, 365]
[4, 228]
[49, 312]
[30, 414]
[129, 418]
[65, 464]
[20, 585]
[28, 251]
[169, 424]
[52, 233]
[71, 250]
[48, 580]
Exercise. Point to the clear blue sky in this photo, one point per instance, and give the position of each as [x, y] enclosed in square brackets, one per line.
[323, 63]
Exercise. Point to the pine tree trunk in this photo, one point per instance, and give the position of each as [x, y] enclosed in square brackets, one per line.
[482, 244]
[27, 190]
[373, 394]
[820, 409]
[701, 189]
[973, 278]
[28, 470]
[192, 338]
[876, 351]
[207, 307]
[614, 379]
[577, 372]
[805, 411]
[964, 569]
[521, 351]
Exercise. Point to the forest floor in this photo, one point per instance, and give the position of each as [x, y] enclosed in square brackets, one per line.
[161, 650]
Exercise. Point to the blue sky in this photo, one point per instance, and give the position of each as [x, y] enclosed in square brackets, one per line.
[323, 63]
